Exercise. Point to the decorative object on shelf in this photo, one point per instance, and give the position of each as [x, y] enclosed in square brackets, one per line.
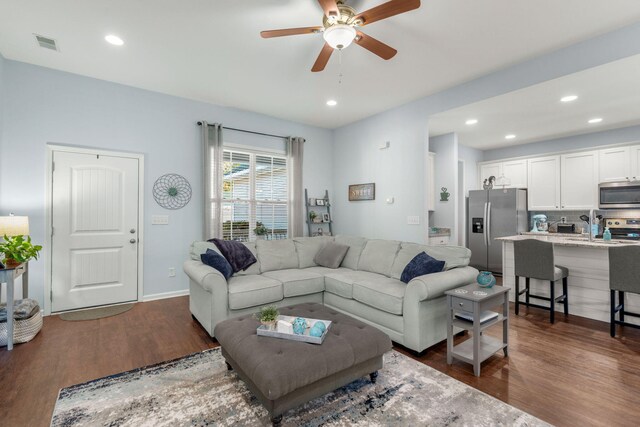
[322, 218]
[488, 183]
[300, 325]
[485, 279]
[268, 316]
[319, 202]
[444, 195]
[15, 247]
[320, 231]
[172, 191]
[312, 216]
[503, 182]
[359, 192]
[261, 231]
[311, 202]
[326, 217]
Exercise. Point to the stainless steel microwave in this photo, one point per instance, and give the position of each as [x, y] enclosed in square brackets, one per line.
[619, 195]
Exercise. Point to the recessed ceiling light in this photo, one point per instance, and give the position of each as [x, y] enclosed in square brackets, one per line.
[332, 103]
[114, 40]
[510, 136]
[595, 120]
[471, 122]
[569, 98]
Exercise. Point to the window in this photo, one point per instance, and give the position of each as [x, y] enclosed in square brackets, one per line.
[254, 194]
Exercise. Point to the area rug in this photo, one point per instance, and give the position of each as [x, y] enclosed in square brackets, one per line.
[197, 390]
[96, 313]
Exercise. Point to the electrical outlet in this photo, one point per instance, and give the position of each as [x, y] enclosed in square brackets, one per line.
[563, 219]
[172, 272]
[413, 220]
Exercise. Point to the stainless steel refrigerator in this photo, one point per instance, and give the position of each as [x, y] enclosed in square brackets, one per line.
[492, 214]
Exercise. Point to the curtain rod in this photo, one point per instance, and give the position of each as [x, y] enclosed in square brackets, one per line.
[250, 131]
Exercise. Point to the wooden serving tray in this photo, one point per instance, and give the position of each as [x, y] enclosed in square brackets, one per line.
[263, 331]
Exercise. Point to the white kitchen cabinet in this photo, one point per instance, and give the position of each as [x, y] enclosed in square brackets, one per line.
[634, 154]
[579, 179]
[431, 185]
[615, 164]
[543, 178]
[489, 169]
[437, 241]
[516, 172]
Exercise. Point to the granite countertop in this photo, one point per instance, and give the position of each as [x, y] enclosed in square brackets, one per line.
[439, 232]
[573, 240]
[546, 233]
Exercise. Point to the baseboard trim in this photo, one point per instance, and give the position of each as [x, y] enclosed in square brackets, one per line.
[165, 295]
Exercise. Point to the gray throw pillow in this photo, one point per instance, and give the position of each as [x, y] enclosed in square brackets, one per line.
[331, 255]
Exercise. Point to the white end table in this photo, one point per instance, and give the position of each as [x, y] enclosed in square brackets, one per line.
[8, 275]
[473, 300]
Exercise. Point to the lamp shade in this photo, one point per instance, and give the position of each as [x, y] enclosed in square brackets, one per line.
[339, 36]
[14, 226]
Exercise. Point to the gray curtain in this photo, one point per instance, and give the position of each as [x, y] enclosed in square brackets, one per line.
[295, 154]
[212, 179]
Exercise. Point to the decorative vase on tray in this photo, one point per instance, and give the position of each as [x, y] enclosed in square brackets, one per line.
[485, 279]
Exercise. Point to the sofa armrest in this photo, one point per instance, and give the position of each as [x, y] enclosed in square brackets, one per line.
[207, 277]
[431, 286]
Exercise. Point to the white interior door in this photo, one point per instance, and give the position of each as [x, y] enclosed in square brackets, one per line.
[95, 230]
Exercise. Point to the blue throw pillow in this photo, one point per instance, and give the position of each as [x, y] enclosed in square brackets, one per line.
[420, 265]
[217, 261]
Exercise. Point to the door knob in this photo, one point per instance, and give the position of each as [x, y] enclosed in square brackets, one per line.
[132, 231]
[132, 241]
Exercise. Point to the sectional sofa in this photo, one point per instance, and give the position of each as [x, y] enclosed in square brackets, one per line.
[366, 286]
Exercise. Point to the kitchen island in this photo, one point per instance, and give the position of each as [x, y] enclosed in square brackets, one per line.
[588, 264]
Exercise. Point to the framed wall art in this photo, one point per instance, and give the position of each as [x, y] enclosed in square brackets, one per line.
[358, 192]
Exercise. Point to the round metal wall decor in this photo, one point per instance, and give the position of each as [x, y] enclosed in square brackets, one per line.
[172, 191]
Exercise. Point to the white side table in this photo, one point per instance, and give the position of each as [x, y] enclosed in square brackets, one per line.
[8, 275]
[473, 300]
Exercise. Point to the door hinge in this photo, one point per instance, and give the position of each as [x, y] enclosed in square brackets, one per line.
[51, 295]
[53, 166]
[53, 231]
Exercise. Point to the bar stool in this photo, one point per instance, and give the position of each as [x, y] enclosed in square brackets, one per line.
[624, 276]
[534, 259]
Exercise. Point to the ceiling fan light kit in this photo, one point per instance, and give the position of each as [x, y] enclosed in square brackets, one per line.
[340, 27]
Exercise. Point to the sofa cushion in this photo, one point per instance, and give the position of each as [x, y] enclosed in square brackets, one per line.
[251, 291]
[254, 268]
[453, 256]
[383, 293]
[215, 260]
[356, 244]
[407, 252]
[331, 255]
[420, 265]
[276, 254]
[378, 256]
[198, 248]
[298, 282]
[308, 247]
[341, 282]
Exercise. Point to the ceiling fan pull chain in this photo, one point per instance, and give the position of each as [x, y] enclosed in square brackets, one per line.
[340, 68]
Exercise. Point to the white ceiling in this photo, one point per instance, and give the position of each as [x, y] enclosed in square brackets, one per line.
[610, 91]
[210, 50]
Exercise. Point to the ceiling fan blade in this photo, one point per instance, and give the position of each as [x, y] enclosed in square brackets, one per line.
[386, 10]
[323, 58]
[375, 46]
[330, 7]
[290, 32]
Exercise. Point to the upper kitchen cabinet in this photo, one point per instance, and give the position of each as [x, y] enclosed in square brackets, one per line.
[615, 163]
[579, 180]
[634, 154]
[514, 170]
[543, 177]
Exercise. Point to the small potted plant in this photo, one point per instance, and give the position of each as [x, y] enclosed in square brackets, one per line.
[17, 250]
[261, 231]
[312, 216]
[268, 316]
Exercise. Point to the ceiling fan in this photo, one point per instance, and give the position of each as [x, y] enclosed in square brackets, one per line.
[340, 27]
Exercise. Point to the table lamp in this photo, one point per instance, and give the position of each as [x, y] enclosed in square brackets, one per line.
[14, 226]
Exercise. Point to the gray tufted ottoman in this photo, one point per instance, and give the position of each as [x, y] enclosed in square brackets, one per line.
[284, 374]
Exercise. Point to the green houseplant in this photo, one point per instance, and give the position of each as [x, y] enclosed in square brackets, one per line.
[261, 230]
[268, 316]
[17, 250]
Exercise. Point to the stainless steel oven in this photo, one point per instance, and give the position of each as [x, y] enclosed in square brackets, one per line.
[619, 195]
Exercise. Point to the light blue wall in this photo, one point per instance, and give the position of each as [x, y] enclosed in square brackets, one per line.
[577, 142]
[471, 157]
[2, 102]
[53, 106]
[446, 175]
[410, 122]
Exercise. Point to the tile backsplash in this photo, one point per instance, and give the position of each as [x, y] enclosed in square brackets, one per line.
[573, 217]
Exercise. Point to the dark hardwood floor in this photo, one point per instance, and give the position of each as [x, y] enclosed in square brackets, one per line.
[568, 374]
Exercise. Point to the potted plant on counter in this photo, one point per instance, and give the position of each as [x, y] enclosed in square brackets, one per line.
[268, 316]
[17, 250]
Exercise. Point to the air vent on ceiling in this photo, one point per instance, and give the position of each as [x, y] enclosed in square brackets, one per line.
[46, 42]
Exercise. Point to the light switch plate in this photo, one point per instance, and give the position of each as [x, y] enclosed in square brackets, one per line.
[159, 219]
[413, 220]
